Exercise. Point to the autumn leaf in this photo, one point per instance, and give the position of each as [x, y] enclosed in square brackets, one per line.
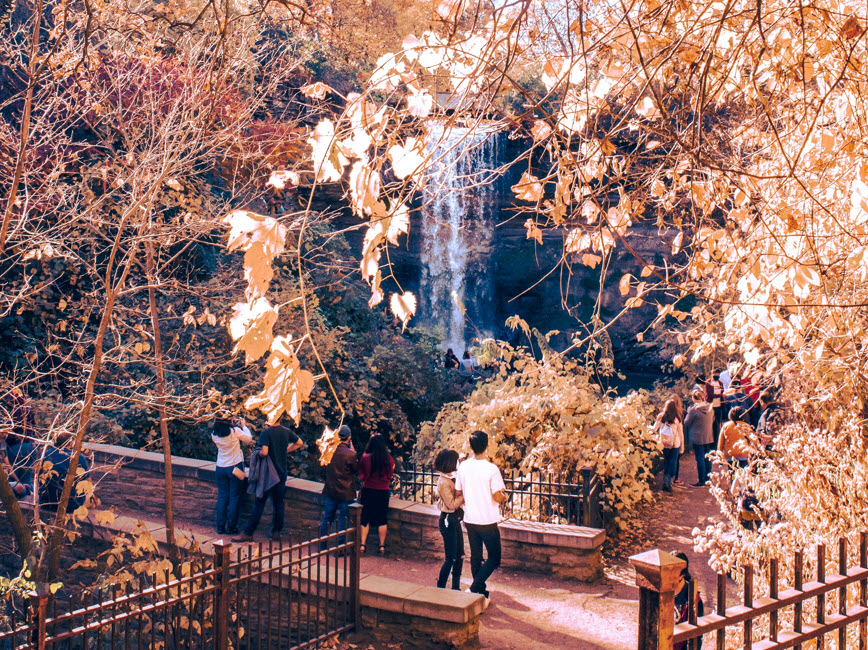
[105, 517]
[279, 179]
[591, 260]
[419, 103]
[577, 241]
[262, 238]
[851, 28]
[327, 443]
[533, 231]
[540, 131]
[408, 158]
[648, 109]
[317, 90]
[528, 188]
[624, 284]
[365, 189]
[286, 386]
[398, 224]
[403, 306]
[327, 164]
[370, 263]
[252, 326]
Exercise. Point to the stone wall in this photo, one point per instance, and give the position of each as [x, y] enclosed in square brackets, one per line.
[132, 481]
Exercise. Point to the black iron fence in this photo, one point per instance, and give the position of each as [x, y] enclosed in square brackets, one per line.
[563, 498]
[275, 595]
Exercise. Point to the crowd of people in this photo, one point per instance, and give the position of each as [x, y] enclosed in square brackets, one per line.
[469, 493]
[737, 417]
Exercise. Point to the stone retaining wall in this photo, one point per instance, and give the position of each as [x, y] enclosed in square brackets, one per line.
[132, 481]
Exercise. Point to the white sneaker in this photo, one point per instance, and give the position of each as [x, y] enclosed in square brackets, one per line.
[485, 601]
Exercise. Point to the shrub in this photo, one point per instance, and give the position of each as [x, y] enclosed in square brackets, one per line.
[547, 415]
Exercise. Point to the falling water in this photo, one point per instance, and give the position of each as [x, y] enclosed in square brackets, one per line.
[458, 221]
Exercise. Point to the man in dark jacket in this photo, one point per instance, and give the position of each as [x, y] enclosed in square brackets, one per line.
[699, 429]
[340, 484]
[275, 442]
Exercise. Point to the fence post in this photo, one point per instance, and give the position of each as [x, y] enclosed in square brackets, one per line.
[657, 575]
[586, 496]
[355, 565]
[38, 608]
[221, 595]
[590, 510]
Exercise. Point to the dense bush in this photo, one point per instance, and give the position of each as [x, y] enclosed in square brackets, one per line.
[548, 415]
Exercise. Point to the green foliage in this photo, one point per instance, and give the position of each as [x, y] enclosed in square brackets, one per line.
[548, 415]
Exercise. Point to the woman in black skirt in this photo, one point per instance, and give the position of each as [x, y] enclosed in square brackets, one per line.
[375, 471]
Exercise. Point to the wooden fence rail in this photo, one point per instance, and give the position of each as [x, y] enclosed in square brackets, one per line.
[840, 604]
[293, 595]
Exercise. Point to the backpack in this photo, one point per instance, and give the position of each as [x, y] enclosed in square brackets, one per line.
[667, 436]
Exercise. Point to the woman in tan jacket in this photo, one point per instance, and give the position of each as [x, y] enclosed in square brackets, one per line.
[733, 444]
[451, 514]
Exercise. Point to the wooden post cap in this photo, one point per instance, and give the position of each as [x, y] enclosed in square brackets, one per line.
[657, 570]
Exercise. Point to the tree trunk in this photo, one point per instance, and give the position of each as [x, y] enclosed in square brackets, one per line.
[51, 552]
[161, 406]
[20, 528]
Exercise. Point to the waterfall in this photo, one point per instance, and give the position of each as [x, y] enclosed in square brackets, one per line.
[457, 223]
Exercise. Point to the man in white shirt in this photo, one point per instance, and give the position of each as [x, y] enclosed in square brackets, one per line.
[481, 484]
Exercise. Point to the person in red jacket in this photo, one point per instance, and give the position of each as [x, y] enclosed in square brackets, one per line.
[375, 471]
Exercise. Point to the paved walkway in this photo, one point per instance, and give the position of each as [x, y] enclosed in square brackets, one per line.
[530, 612]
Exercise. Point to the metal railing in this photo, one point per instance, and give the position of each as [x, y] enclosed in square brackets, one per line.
[279, 594]
[536, 496]
[831, 606]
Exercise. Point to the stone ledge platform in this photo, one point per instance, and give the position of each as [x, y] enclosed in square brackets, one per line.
[132, 481]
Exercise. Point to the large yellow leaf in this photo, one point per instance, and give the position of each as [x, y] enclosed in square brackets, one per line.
[327, 165]
[327, 443]
[364, 189]
[252, 326]
[262, 239]
[528, 188]
[403, 306]
[624, 284]
[408, 158]
[419, 103]
[285, 386]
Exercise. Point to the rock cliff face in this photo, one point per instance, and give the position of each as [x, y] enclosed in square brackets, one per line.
[505, 273]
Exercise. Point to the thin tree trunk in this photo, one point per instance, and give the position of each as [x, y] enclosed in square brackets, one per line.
[24, 136]
[20, 528]
[52, 549]
[161, 406]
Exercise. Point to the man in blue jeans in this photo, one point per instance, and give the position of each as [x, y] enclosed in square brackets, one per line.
[274, 442]
[699, 430]
[339, 489]
[481, 484]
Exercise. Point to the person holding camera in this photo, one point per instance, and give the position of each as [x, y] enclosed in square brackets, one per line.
[228, 436]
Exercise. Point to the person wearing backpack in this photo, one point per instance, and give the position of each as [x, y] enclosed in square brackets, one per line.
[668, 426]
